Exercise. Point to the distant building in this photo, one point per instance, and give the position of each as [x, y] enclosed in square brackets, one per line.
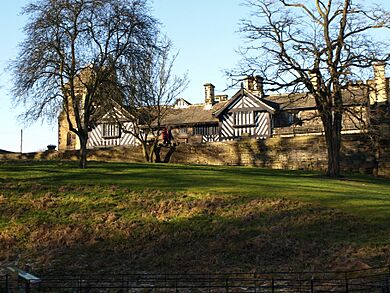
[248, 113]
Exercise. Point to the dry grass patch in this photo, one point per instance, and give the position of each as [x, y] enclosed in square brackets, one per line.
[163, 218]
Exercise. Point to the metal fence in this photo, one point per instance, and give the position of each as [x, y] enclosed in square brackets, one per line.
[371, 280]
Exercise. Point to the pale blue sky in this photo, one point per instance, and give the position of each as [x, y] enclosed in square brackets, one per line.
[204, 31]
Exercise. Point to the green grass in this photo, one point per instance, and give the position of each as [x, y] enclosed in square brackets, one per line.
[158, 217]
[365, 196]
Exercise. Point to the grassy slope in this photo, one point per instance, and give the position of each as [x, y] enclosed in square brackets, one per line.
[192, 218]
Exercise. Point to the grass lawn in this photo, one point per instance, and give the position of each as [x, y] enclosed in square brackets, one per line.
[170, 218]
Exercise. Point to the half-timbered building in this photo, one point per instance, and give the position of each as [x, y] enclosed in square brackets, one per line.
[248, 113]
[112, 128]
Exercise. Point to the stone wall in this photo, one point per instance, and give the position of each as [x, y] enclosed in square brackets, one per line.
[297, 153]
[294, 153]
[384, 153]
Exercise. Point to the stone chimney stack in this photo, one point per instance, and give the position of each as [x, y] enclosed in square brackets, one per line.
[209, 95]
[249, 83]
[254, 84]
[259, 86]
[314, 79]
[381, 85]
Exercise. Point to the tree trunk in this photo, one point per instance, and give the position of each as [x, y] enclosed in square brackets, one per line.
[169, 154]
[83, 151]
[157, 153]
[333, 143]
[145, 152]
[151, 155]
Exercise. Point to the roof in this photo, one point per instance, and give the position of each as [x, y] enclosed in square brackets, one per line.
[293, 101]
[194, 114]
[199, 114]
[181, 103]
[110, 112]
[353, 95]
[258, 102]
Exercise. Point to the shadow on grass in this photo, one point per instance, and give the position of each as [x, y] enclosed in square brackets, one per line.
[172, 233]
[365, 196]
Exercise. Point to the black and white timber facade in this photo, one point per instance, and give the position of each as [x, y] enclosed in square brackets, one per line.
[247, 114]
[217, 119]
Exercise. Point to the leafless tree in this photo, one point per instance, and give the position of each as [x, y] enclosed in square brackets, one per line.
[70, 55]
[316, 47]
[148, 92]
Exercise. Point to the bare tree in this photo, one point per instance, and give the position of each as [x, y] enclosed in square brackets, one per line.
[148, 91]
[71, 52]
[316, 47]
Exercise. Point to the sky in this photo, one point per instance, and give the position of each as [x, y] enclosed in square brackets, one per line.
[204, 32]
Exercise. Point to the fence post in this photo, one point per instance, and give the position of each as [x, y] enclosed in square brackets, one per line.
[27, 286]
[227, 285]
[79, 283]
[387, 280]
[312, 285]
[346, 283]
[300, 282]
[273, 285]
[6, 283]
[255, 279]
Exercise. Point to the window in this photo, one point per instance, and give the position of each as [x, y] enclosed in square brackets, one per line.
[205, 130]
[69, 139]
[290, 118]
[183, 130]
[111, 130]
[293, 118]
[244, 118]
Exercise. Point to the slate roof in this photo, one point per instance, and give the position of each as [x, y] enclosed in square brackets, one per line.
[353, 95]
[293, 101]
[194, 114]
[183, 101]
[198, 114]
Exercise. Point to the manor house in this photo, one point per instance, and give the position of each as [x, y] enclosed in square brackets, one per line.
[249, 113]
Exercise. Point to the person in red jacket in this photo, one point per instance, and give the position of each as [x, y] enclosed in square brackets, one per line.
[165, 135]
[170, 136]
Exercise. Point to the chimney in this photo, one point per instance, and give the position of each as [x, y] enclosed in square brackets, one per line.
[248, 83]
[254, 84]
[314, 79]
[221, 98]
[259, 86]
[380, 85]
[209, 96]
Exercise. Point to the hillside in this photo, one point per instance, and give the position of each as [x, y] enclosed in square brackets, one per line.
[120, 217]
[4, 152]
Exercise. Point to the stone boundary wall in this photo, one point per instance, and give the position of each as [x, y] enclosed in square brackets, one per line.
[384, 154]
[295, 153]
